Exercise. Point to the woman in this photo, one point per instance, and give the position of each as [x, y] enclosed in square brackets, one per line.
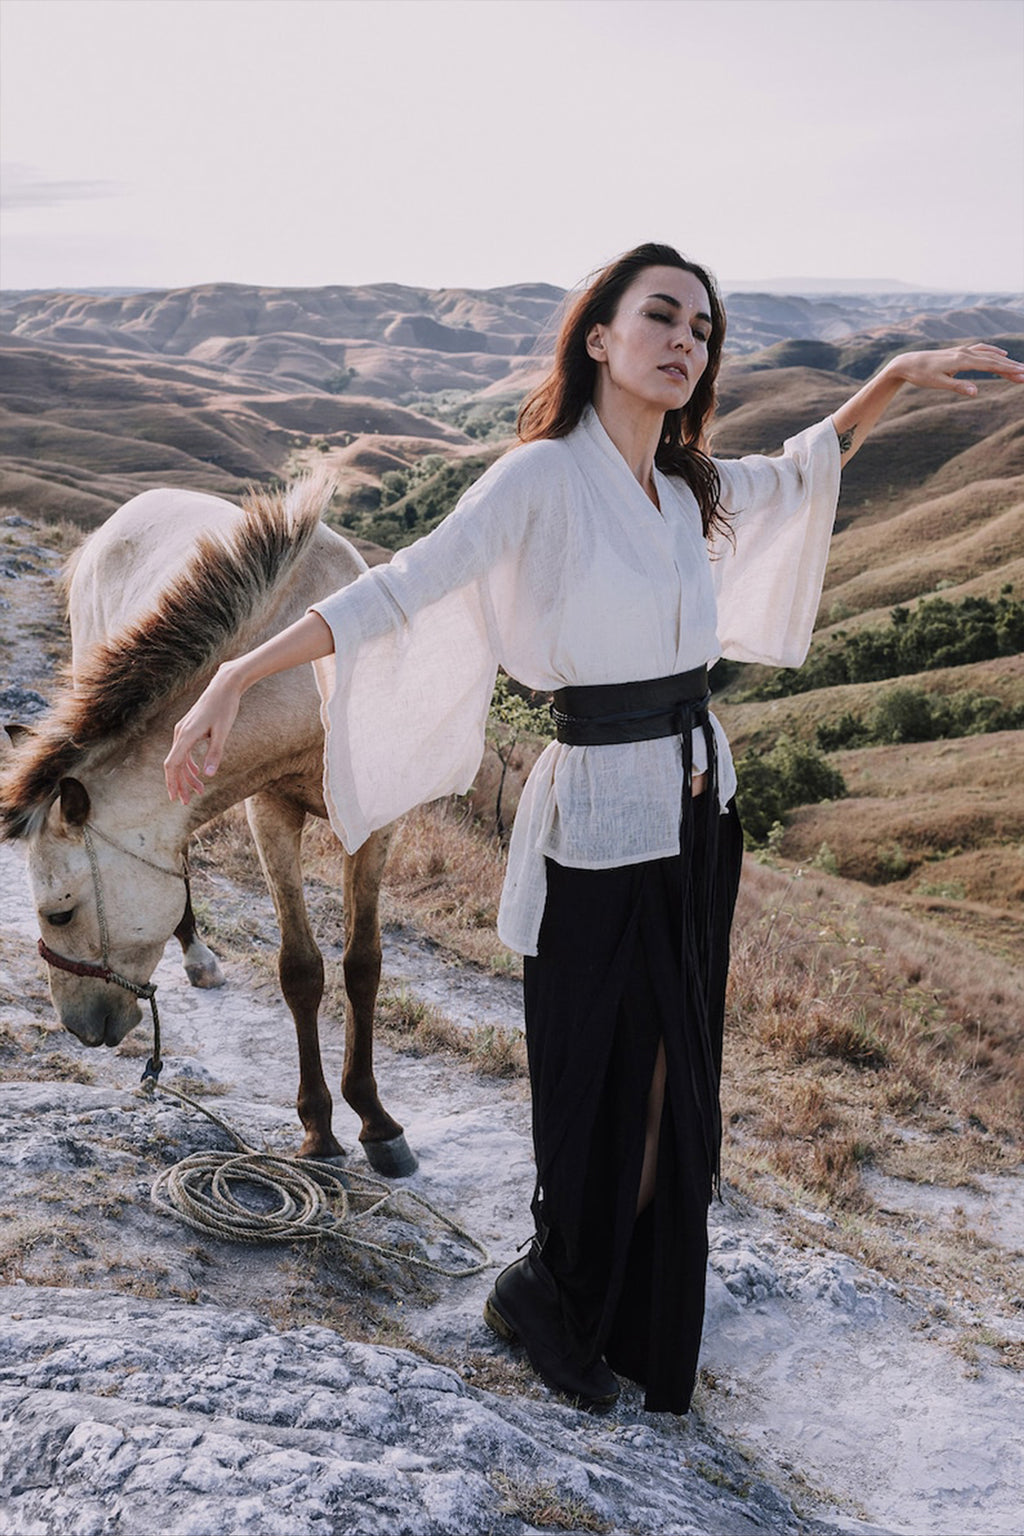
[609, 559]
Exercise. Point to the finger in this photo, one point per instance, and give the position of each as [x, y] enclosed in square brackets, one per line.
[192, 774]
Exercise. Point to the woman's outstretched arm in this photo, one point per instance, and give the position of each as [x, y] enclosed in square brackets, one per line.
[213, 714]
[926, 370]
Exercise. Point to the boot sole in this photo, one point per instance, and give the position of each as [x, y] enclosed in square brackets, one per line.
[497, 1323]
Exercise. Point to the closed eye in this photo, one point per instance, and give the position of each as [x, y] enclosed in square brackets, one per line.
[700, 332]
[60, 919]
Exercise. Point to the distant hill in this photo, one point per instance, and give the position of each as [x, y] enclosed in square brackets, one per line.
[220, 384]
[403, 341]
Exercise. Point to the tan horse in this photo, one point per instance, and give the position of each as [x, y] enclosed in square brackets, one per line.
[171, 585]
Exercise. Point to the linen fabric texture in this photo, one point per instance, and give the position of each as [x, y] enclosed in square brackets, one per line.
[557, 566]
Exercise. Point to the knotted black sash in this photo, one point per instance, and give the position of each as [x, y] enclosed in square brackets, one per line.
[610, 714]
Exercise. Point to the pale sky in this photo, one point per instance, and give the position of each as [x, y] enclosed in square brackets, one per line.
[162, 143]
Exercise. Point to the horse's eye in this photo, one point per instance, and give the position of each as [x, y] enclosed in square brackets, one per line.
[60, 919]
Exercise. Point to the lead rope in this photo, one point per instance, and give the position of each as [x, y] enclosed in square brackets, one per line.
[198, 1191]
[145, 990]
[198, 1188]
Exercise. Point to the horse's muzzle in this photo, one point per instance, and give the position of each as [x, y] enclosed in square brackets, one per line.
[99, 1020]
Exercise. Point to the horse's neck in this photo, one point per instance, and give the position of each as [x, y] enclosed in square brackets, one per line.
[132, 795]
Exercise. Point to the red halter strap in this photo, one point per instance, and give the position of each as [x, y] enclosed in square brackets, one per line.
[95, 972]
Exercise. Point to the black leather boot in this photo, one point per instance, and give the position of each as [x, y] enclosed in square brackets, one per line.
[524, 1305]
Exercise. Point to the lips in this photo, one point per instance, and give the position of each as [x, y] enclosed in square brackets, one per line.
[675, 371]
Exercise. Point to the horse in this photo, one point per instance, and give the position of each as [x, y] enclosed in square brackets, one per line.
[171, 585]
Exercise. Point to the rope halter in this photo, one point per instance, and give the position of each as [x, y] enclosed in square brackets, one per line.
[144, 990]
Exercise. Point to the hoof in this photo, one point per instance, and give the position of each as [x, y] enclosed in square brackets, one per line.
[202, 969]
[394, 1159]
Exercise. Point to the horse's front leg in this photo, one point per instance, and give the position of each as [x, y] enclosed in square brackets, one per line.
[201, 965]
[276, 825]
[383, 1140]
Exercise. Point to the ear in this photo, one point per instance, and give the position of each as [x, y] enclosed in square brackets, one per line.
[595, 344]
[74, 802]
[12, 736]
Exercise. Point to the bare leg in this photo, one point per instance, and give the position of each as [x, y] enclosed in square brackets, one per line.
[656, 1097]
[655, 1102]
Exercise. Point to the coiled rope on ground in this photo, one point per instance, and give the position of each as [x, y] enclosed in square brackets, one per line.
[312, 1199]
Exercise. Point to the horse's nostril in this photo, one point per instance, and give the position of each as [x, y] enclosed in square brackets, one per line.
[60, 919]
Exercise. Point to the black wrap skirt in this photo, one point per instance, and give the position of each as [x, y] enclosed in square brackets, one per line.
[609, 983]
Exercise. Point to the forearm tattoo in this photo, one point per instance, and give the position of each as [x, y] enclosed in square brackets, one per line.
[846, 439]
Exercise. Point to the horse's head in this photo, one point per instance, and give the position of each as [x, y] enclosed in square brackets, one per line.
[108, 897]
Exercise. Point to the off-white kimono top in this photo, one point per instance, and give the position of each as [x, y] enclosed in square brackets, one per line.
[556, 565]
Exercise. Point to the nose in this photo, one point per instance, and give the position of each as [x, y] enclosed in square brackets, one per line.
[685, 338]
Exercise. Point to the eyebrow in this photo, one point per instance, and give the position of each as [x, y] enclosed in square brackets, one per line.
[666, 298]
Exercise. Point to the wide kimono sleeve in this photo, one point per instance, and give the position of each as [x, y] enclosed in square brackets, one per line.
[768, 579]
[405, 696]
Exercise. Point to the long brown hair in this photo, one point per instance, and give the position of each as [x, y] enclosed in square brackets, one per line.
[554, 408]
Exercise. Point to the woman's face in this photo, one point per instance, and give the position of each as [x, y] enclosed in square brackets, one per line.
[656, 347]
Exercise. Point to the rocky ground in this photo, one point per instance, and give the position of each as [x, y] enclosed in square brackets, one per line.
[155, 1379]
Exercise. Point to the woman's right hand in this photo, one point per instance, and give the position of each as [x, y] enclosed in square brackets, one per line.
[210, 719]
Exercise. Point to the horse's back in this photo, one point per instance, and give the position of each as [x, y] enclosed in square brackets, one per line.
[123, 567]
[136, 554]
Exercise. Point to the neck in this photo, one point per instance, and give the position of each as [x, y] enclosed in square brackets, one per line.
[133, 796]
[633, 426]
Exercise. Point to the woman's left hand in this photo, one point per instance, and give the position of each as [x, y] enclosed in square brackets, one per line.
[939, 369]
[926, 370]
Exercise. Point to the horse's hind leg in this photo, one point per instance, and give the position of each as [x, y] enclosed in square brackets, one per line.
[201, 966]
[276, 825]
[384, 1143]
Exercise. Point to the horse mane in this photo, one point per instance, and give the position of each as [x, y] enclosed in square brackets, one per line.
[196, 622]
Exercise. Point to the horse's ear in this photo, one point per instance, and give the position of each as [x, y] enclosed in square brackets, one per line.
[74, 802]
[16, 733]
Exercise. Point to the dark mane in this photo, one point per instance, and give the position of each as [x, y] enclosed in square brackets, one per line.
[195, 623]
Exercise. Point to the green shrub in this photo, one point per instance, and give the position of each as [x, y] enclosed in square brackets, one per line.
[911, 714]
[893, 863]
[937, 633]
[772, 783]
[412, 501]
[337, 382]
[903, 714]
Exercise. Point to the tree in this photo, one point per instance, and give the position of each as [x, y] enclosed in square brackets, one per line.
[511, 717]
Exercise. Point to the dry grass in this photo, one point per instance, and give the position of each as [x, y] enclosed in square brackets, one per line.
[847, 1018]
[880, 1009]
[542, 1506]
[421, 1029]
[859, 1038]
[921, 542]
[879, 839]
